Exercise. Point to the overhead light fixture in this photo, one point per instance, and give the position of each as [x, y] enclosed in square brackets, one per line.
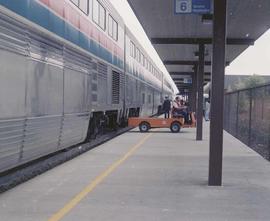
[207, 19]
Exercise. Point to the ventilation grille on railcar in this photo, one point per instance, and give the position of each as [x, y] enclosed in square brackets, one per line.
[122, 82]
[115, 87]
[102, 83]
[102, 70]
[94, 83]
[13, 37]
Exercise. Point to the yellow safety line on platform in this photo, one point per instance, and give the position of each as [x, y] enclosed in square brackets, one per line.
[79, 197]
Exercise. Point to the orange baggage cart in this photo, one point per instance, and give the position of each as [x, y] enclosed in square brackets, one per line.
[146, 123]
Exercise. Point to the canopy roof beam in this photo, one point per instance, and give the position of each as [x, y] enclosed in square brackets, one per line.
[186, 62]
[207, 41]
[188, 73]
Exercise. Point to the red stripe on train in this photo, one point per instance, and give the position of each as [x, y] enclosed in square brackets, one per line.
[72, 15]
[57, 6]
[68, 13]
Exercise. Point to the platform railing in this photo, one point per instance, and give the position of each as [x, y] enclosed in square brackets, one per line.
[247, 117]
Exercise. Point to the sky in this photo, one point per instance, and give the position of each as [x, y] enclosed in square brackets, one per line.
[254, 60]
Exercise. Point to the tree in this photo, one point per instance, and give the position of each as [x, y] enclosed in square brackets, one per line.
[252, 81]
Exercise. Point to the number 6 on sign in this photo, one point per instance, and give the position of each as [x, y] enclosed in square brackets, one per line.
[183, 6]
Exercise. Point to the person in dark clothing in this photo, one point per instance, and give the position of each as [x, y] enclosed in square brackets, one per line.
[167, 107]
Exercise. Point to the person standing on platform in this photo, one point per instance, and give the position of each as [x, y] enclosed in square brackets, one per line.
[167, 107]
[207, 110]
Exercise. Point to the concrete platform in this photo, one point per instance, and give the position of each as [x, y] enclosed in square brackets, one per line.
[160, 176]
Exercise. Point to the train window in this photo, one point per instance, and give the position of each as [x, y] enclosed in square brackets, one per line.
[75, 2]
[95, 12]
[99, 14]
[143, 98]
[137, 54]
[132, 49]
[143, 60]
[102, 17]
[113, 28]
[149, 98]
[110, 26]
[84, 6]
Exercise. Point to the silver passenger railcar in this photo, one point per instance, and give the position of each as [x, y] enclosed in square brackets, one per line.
[67, 70]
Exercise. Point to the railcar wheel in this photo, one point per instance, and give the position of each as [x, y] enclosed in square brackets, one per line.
[175, 127]
[144, 127]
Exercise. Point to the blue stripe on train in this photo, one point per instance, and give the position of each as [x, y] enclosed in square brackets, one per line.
[42, 16]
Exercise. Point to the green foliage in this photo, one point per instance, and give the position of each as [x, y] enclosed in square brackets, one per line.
[252, 81]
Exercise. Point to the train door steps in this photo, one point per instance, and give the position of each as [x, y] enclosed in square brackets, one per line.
[28, 171]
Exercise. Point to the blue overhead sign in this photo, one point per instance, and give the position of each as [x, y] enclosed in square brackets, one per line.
[192, 6]
[187, 80]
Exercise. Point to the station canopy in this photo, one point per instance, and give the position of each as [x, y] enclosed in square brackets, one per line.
[176, 36]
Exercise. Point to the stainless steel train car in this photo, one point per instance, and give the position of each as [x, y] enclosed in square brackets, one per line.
[68, 68]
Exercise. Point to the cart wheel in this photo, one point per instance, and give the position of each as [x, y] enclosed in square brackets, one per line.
[144, 127]
[175, 127]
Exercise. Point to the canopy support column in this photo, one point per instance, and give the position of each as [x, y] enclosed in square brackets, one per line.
[200, 80]
[217, 93]
[194, 90]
